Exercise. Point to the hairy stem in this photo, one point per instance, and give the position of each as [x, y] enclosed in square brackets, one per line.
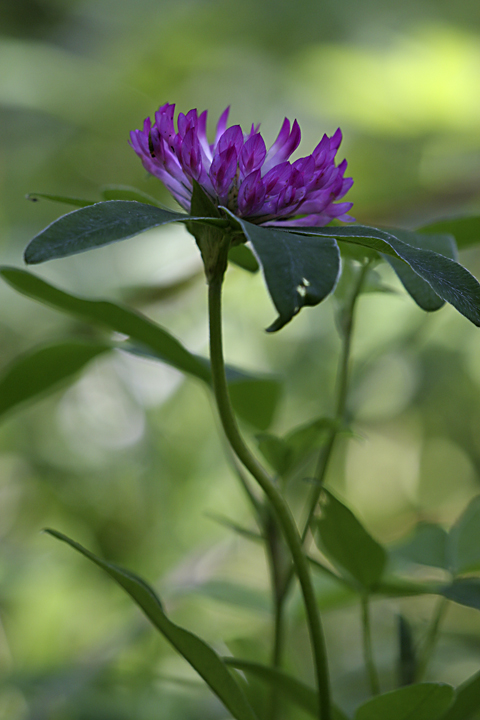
[280, 508]
[367, 647]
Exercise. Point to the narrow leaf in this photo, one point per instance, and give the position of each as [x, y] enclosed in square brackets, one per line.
[424, 701]
[466, 703]
[464, 540]
[299, 270]
[255, 398]
[466, 230]
[347, 544]
[200, 655]
[44, 369]
[231, 525]
[286, 685]
[110, 315]
[420, 290]
[449, 280]
[464, 591]
[78, 202]
[97, 225]
[125, 192]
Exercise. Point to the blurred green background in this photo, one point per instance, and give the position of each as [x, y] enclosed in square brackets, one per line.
[127, 459]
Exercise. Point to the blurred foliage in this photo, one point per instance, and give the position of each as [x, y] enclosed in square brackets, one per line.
[126, 459]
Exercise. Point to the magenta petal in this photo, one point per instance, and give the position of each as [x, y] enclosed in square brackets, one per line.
[252, 155]
[222, 124]
[232, 137]
[223, 169]
[251, 194]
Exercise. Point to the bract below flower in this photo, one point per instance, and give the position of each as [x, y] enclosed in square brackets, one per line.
[238, 172]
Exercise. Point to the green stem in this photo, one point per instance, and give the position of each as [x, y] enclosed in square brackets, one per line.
[431, 638]
[280, 508]
[326, 453]
[367, 647]
[347, 325]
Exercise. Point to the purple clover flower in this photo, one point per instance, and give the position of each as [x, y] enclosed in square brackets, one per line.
[238, 172]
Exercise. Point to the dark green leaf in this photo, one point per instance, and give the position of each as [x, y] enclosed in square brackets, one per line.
[464, 540]
[95, 226]
[420, 290]
[449, 280]
[425, 701]
[427, 546]
[255, 398]
[306, 438]
[407, 662]
[44, 369]
[275, 451]
[286, 685]
[78, 202]
[347, 544]
[200, 655]
[125, 192]
[285, 454]
[466, 704]
[299, 270]
[466, 230]
[242, 256]
[112, 316]
[464, 591]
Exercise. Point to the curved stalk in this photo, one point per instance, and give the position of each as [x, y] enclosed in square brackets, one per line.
[280, 508]
[325, 454]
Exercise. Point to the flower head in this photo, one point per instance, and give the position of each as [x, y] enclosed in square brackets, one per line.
[238, 172]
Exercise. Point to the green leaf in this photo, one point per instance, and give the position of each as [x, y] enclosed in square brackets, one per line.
[427, 546]
[200, 655]
[309, 436]
[112, 316]
[78, 202]
[464, 591]
[425, 701]
[466, 703]
[97, 225]
[347, 544]
[449, 280]
[125, 192]
[285, 454]
[466, 230]
[420, 290]
[43, 369]
[464, 540]
[299, 270]
[242, 256]
[255, 398]
[286, 685]
[275, 451]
